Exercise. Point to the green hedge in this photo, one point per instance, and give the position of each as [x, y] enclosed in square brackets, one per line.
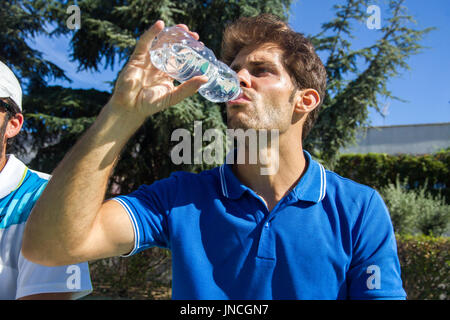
[425, 264]
[424, 261]
[378, 170]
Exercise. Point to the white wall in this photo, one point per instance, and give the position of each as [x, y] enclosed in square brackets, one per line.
[412, 139]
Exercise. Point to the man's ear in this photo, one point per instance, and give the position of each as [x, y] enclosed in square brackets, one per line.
[306, 100]
[14, 125]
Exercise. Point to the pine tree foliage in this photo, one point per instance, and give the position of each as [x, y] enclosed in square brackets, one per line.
[110, 28]
[55, 119]
[353, 89]
[18, 22]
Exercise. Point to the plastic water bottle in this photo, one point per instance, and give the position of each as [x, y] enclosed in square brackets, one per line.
[178, 54]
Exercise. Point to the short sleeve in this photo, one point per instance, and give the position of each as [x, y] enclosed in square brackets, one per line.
[148, 209]
[374, 272]
[34, 279]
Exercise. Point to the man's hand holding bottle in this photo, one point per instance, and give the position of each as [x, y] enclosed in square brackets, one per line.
[142, 90]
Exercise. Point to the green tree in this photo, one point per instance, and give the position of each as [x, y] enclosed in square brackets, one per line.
[19, 22]
[55, 119]
[353, 86]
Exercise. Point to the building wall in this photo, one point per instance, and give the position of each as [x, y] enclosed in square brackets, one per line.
[412, 139]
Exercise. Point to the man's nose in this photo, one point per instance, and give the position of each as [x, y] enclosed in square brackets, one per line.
[244, 78]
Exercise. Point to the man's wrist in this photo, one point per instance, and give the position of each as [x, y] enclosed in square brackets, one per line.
[123, 122]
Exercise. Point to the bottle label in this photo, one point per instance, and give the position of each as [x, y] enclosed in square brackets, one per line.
[204, 67]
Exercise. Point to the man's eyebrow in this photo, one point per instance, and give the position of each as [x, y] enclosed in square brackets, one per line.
[236, 67]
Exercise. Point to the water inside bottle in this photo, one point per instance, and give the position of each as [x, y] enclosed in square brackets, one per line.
[182, 63]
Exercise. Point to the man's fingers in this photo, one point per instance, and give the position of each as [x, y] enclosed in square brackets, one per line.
[145, 41]
[187, 89]
[192, 33]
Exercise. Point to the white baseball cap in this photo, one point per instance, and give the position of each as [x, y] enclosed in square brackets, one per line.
[9, 85]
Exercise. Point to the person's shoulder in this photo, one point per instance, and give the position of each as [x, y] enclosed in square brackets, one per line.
[349, 184]
[347, 190]
[34, 183]
[43, 177]
[18, 203]
[202, 176]
[353, 200]
[184, 181]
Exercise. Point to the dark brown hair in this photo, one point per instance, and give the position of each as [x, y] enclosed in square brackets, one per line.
[13, 108]
[299, 58]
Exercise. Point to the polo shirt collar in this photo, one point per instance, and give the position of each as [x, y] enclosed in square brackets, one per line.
[12, 175]
[231, 186]
[311, 187]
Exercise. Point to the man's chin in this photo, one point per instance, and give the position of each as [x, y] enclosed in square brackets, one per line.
[235, 124]
[245, 123]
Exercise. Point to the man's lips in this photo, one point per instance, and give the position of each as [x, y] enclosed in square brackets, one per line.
[242, 98]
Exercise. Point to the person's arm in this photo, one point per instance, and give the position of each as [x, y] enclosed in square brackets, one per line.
[70, 223]
[374, 272]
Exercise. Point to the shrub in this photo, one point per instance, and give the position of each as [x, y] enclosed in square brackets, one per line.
[433, 218]
[145, 275]
[425, 265]
[379, 170]
[415, 210]
[401, 205]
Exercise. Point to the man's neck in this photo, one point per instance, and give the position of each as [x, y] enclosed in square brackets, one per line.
[273, 187]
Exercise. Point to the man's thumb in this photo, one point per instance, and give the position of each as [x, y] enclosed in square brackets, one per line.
[188, 89]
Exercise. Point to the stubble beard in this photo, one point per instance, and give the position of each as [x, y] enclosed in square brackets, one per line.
[266, 117]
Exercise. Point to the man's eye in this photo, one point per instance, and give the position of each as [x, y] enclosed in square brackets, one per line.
[262, 70]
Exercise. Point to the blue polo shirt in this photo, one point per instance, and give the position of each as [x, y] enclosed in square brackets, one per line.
[329, 238]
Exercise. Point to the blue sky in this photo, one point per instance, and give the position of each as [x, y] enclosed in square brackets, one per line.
[426, 87]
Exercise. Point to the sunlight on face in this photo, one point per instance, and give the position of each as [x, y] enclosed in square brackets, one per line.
[267, 90]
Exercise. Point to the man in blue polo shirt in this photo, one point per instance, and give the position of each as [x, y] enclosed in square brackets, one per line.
[299, 232]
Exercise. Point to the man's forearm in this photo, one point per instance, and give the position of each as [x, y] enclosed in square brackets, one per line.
[75, 193]
[70, 223]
